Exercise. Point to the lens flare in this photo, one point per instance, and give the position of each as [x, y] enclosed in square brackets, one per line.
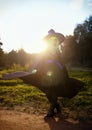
[49, 73]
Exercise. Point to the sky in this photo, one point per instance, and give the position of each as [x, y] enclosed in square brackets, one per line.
[24, 23]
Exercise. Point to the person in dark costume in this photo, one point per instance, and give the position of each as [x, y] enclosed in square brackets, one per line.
[54, 40]
[50, 75]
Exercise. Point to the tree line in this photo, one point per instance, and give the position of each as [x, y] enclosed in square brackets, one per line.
[76, 49]
[14, 58]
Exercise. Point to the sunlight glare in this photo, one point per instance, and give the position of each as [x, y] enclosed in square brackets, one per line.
[37, 46]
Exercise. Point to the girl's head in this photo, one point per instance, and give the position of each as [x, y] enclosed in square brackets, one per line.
[54, 40]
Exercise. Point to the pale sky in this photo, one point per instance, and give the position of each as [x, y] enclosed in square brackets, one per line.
[23, 23]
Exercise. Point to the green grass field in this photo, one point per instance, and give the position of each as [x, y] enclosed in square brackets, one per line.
[14, 94]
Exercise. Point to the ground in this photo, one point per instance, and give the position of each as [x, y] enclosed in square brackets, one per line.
[14, 120]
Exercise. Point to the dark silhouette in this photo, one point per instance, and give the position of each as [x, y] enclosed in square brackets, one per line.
[52, 76]
[53, 80]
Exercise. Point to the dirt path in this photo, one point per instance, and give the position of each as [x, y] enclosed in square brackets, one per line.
[12, 120]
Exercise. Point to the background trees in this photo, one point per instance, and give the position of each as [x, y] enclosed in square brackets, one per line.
[20, 58]
[69, 48]
[77, 49]
[1, 56]
[83, 37]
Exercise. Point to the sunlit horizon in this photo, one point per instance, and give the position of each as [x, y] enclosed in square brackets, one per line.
[38, 46]
[23, 24]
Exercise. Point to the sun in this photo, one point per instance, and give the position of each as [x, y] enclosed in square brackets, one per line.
[37, 46]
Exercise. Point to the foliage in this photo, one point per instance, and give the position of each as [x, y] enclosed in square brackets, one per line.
[15, 59]
[83, 37]
[76, 49]
[69, 49]
[1, 56]
[20, 57]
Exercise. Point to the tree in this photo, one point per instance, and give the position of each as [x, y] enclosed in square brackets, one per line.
[22, 57]
[69, 49]
[1, 56]
[11, 58]
[1, 44]
[17, 58]
[83, 38]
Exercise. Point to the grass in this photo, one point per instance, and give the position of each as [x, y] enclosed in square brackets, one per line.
[16, 94]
